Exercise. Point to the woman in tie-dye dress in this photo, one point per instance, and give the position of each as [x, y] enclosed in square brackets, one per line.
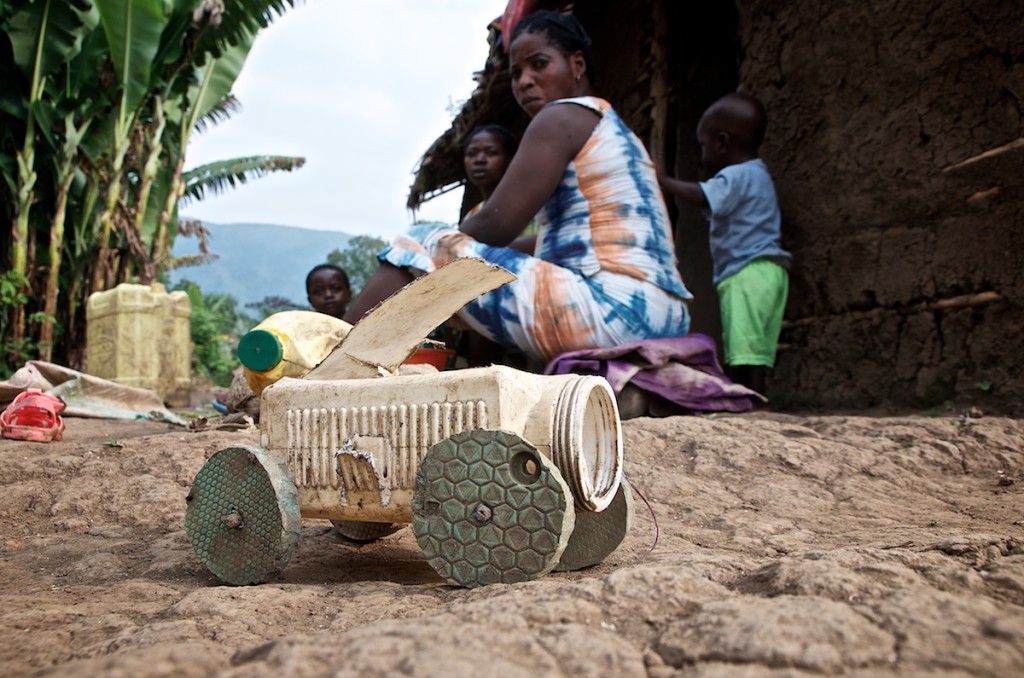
[603, 270]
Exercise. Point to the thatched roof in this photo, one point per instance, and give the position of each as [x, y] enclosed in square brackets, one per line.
[440, 169]
[631, 77]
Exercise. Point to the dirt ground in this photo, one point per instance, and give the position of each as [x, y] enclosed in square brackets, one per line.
[764, 544]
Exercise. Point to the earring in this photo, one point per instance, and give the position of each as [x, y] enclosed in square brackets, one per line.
[577, 78]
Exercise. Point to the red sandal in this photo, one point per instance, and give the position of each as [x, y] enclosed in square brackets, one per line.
[34, 416]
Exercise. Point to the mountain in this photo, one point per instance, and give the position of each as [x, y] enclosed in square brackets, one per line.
[256, 261]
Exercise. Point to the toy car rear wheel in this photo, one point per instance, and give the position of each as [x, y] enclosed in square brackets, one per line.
[363, 532]
[597, 534]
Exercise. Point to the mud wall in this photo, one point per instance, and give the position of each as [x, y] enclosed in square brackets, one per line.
[896, 144]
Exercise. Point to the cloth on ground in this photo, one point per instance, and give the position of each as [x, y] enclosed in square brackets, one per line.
[682, 370]
[86, 395]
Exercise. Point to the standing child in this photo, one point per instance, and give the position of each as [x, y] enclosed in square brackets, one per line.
[750, 268]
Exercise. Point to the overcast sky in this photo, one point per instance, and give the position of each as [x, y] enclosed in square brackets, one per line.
[360, 90]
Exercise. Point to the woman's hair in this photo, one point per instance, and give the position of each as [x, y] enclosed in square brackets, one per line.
[326, 267]
[506, 139]
[563, 30]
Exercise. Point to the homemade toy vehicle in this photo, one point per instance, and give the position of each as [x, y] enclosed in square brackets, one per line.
[503, 475]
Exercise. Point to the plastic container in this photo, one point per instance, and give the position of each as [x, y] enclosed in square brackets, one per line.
[353, 446]
[288, 344]
[139, 335]
[175, 380]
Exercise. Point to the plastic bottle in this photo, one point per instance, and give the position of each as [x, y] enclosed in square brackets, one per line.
[288, 344]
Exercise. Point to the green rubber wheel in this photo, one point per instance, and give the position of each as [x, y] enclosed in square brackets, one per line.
[242, 515]
[362, 532]
[597, 535]
[490, 508]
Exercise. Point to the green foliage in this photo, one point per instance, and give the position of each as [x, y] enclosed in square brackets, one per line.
[98, 101]
[218, 177]
[12, 285]
[39, 317]
[359, 259]
[16, 353]
[216, 325]
[12, 352]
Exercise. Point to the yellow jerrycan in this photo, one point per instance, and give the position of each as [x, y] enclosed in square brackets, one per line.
[288, 344]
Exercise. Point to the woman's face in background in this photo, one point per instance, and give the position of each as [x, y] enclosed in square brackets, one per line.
[485, 160]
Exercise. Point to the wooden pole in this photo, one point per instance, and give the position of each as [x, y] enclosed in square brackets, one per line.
[659, 84]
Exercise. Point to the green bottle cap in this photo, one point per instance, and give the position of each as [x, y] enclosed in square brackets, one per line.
[260, 350]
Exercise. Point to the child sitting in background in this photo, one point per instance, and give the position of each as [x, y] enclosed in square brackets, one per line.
[750, 268]
[327, 289]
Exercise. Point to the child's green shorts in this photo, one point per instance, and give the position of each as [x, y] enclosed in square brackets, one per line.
[752, 301]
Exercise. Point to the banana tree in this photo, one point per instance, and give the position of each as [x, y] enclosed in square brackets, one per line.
[223, 41]
[44, 36]
[92, 115]
[207, 94]
[132, 29]
[214, 34]
[65, 175]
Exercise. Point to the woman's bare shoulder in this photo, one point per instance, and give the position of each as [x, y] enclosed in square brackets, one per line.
[562, 123]
[567, 109]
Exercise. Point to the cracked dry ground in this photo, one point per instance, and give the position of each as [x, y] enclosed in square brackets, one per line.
[783, 545]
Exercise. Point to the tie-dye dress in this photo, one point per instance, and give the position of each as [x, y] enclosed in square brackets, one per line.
[604, 271]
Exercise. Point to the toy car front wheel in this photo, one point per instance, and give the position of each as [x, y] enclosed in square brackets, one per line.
[490, 508]
[243, 515]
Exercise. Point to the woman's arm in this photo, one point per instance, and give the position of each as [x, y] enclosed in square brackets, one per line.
[554, 137]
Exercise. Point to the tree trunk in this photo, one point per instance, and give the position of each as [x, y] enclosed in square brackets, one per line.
[147, 267]
[55, 253]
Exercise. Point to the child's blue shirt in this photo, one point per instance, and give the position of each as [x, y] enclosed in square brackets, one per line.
[745, 220]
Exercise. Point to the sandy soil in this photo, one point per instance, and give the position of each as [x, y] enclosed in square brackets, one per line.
[767, 545]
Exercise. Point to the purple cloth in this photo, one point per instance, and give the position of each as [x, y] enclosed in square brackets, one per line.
[682, 370]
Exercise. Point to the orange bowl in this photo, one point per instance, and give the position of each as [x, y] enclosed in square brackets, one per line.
[438, 357]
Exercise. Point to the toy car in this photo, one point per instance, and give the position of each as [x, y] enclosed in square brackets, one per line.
[503, 475]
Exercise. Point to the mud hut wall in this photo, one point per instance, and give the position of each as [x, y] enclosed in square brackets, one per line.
[907, 281]
[897, 249]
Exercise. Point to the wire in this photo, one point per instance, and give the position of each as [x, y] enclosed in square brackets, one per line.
[657, 530]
